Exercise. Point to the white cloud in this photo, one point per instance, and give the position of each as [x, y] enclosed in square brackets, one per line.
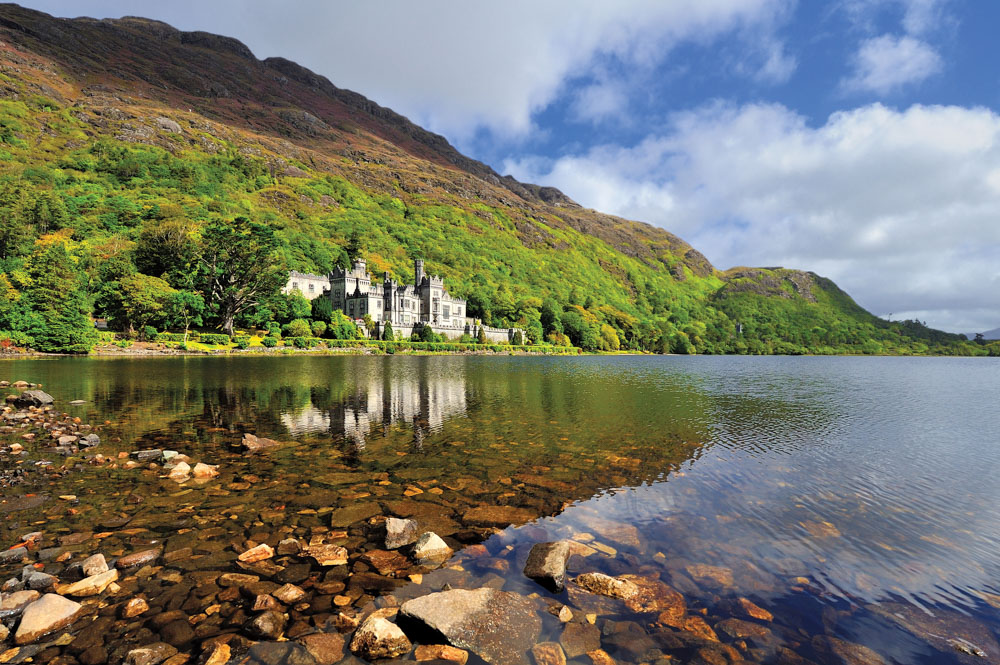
[886, 63]
[898, 207]
[456, 67]
[918, 17]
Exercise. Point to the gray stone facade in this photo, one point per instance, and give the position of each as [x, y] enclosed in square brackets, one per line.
[407, 307]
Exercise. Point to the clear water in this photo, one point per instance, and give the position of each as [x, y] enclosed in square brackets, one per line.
[855, 498]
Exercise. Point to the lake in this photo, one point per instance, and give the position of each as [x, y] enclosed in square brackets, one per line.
[808, 510]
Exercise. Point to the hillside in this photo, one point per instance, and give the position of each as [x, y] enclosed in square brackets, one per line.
[127, 146]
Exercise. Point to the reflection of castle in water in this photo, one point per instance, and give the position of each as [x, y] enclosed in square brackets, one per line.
[379, 400]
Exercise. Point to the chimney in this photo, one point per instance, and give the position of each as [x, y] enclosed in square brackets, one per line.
[418, 270]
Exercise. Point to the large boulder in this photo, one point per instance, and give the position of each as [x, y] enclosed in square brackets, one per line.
[547, 564]
[49, 613]
[498, 626]
[33, 398]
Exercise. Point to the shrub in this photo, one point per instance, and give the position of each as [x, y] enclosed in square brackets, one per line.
[318, 328]
[213, 338]
[170, 337]
[242, 342]
[297, 328]
[270, 341]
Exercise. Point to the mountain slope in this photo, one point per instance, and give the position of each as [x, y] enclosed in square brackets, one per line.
[119, 133]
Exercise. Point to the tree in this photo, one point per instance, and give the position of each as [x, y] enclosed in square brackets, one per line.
[140, 300]
[369, 324]
[387, 333]
[56, 295]
[168, 249]
[551, 316]
[481, 335]
[186, 308]
[239, 268]
[518, 338]
[318, 328]
[322, 309]
[299, 307]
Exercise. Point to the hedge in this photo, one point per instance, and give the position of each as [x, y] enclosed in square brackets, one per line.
[212, 338]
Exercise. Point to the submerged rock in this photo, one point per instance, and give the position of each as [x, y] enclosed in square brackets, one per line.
[605, 585]
[498, 626]
[152, 654]
[399, 532]
[89, 586]
[49, 613]
[440, 652]
[379, 638]
[547, 564]
[253, 444]
[94, 565]
[431, 549]
[258, 553]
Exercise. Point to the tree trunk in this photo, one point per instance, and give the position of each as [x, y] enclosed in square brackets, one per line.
[227, 324]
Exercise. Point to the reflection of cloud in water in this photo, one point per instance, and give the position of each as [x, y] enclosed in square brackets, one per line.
[425, 400]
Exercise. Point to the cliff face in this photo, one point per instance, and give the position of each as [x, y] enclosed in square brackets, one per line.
[125, 70]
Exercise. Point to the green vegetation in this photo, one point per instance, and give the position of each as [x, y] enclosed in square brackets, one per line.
[155, 239]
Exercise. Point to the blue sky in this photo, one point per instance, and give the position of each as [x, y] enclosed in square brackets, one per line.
[859, 139]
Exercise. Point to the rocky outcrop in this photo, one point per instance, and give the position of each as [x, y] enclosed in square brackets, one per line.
[498, 626]
[33, 398]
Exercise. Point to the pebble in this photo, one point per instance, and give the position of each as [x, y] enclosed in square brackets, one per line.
[258, 553]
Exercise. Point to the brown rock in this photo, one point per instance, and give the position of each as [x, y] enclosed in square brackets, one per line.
[237, 579]
[441, 652]
[94, 565]
[710, 575]
[327, 555]
[497, 516]
[846, 653]
[134, 607]
[546, 564]
[385, 562]
[738, 629]
[605, 585]
[599, 657]
[753, 610]
[325, 648]
[137, 559]
[258, 553]
[653, 596]
[253, 444]
[89, 586]
[152, 654]
[289, 594]
[579, 638]
[219, 655]
[399, 532]
[49, 613]
[379, 638]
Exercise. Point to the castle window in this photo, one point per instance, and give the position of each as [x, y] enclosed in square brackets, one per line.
[447, 312]
[295, 285]
[312, 287]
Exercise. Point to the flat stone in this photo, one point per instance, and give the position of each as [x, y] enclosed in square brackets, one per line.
[13, 555]
[327, 555]
[237, 579]
[358, 512]
[605, 585]
[289, 546]
[498, 626]
[497, 516]
[37, 580]
[446, 652]
[289, 594]
[253, 444]
[89, 586]
[94, 565]
[221, 653]
[259, 553]
[379, 638]
[737, 629]
[152, 654]
[12, 604]
[711, 576]
[547, 564]
[325, 648]
[548, 653]
[385, 562]
[579, 638]
[137, 559]
[753, 610]
[846, 653]
[431, 549]
[48, 613]
[399, 532]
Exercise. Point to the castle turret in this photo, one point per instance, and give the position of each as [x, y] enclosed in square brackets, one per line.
[418, 271]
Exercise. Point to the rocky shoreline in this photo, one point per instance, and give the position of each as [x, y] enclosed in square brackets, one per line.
[393, 569]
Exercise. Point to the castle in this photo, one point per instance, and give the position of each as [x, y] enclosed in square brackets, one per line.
[406, 307]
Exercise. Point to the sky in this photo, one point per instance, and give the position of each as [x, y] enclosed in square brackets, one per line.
[858, 139]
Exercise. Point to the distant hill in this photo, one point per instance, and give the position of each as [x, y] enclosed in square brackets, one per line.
[988, 335]
[127, 138]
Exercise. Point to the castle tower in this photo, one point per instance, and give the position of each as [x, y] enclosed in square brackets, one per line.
[418, 270]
